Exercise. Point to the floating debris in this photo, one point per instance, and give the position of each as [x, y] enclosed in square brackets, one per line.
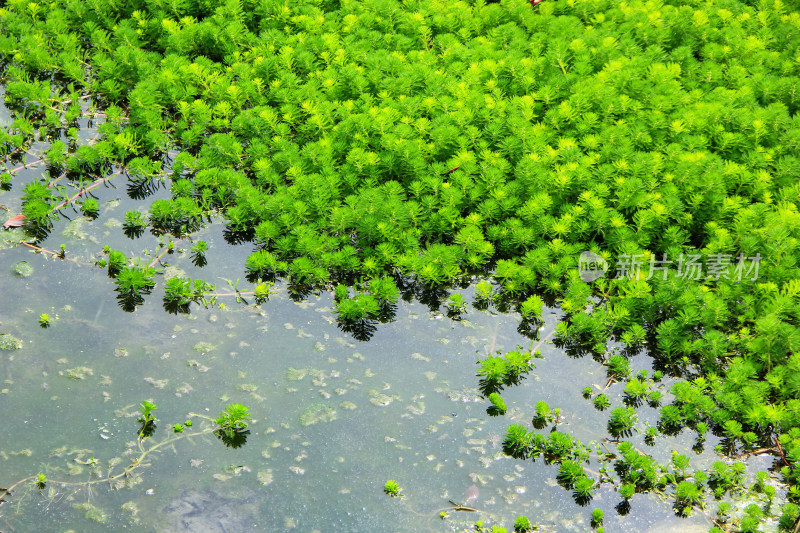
[92, 513]
[380, 399]
[465, 395]
[77, 373]
[265, 478]
[296, 374]
[74, 230]
[471, 495]
[157, 383]
[197, 365]
[9, 342]
[204, 347]
[317, 412]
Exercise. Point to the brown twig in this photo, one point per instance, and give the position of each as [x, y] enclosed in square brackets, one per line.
[780, 450]
[23, 167]
[94, 185]
[54, 254]
[754, 452]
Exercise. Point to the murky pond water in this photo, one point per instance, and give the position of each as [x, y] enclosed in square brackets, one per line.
[335, 418]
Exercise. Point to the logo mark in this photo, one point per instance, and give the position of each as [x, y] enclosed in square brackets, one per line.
[591, 266]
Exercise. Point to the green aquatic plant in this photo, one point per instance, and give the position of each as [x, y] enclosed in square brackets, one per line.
[44, 320]
[484, 294]
[456, 304]
[134, 224]
[147, 419]
[662, 138]
[133, 283]
[523, 525]
[498, 405]
[178, 428]
[116, 262]
[687, 495]
[90, 207]
[9, 342]
[621, 421]
[199, 250]
[392, 488]
[601, 402]
[384, 290]
[262, 291]
[517, 442]
[635, 392]
[569, 472]
[233, 420]
[618, 367]
[41, 481]
[358, 308]
[543, 415]
[496, 372]
[531, 308]
[597, 517]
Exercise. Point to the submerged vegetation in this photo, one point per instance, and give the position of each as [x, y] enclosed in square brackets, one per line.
[380, 150]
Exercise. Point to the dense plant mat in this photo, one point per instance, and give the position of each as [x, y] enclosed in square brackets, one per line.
[371, 144]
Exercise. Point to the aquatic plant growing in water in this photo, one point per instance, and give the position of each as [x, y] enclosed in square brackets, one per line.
[41, 481]
[543, 415]
[147, 419]
[233, 420]
[90, 208]
[358, 308]
[523, 525]
[133, 283]
[517, 442]
[601, 402]
[496, 372]
[456, 305]
[597, 517]
[621, 421]
[608, 148]
[392, 488]
[498, 405]
[44, 320]
[199, 250]
[134, 224]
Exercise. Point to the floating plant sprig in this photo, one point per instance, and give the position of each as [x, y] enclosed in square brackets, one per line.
[233, 420]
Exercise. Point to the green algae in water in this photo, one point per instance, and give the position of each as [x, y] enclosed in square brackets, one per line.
[296, 374]
[92, 512]
[22, 269]
[74, 230]
[204, 347]
[77, 373]
[317, 412]
[9, 342]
